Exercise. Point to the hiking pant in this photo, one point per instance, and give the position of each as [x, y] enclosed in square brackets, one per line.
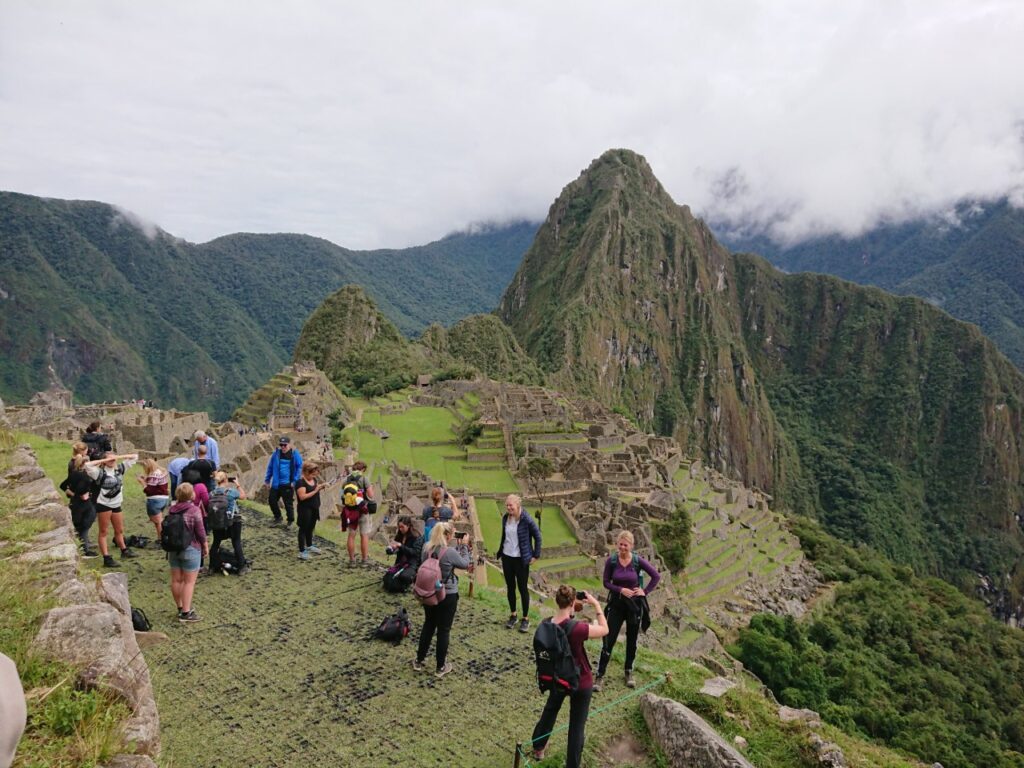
[286, 494]
[307, 523]
[579, 708]
[617, 614]
[233, 532]
[83, 515]
[439, 617]
[517, 573]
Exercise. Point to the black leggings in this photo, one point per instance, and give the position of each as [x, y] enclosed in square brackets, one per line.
[83, 515]
[517, 573]
[234, 532]
[617, 614]
[579, 708]
[438, 617]
[307, 524]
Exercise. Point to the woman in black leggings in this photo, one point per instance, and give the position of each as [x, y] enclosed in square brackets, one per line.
[520, 546]
[307, 490]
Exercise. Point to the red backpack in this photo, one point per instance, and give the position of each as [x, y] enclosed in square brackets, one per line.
[429, 587]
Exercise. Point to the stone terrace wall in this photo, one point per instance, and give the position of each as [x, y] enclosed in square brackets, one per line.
[91, 628]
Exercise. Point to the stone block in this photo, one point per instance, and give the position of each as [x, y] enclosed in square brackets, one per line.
[685, 738]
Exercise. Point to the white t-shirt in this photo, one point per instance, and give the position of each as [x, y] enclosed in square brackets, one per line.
[511, 547]
[106, 499]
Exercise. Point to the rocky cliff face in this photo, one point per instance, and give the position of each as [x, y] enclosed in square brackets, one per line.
[892, 422]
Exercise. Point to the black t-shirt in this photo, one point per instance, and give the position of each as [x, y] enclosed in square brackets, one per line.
[78, 482]
[202, 467]
[311, 503]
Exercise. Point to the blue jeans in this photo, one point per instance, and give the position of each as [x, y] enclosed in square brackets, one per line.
[187, 560]
[155, 506]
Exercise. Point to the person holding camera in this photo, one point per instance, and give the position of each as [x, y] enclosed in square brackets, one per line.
[568, 603]
[407, 547]
[229, 487]
[155, 481]
[519, 547]
[437, 512]
[440, 617]
[307, 490]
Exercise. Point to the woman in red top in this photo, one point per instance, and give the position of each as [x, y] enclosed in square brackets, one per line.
[579, 700]
[155, 481]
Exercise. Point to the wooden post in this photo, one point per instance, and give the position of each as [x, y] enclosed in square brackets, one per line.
[519, 754]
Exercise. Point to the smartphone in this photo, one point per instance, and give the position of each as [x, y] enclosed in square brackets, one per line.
[581, 595]
[460, 534]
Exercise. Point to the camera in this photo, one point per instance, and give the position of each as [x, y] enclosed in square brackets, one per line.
[390, 550]
[581, 595]
[460, 534]
[232, 479]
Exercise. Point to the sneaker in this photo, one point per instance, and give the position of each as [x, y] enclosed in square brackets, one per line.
[304, 554]
[511, 621]
[88, 553]
[418, 666]
[276, 522]
[108, 562]
[598, 683]
[127, 554]
[444, 670]
[244, 570]
[189, 618]
[313, 550]
[524, 625]
[630, 682]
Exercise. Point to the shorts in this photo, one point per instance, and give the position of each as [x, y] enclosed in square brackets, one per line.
[100, 509]
[366, 525]
[155, 506]
[187, 560]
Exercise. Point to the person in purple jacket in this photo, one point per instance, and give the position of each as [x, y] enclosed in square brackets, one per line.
[626, 603]
[185, 564]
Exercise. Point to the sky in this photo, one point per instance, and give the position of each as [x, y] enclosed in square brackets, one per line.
[389, 124]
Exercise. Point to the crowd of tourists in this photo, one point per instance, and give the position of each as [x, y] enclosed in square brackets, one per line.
[193, 499]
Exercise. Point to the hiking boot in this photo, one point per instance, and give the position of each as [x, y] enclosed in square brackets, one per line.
[630, 682]
[314, 550]
[188, 618]
[108, 562]
[511, 621]
[418, 666]
[304, 554]
[276, 522]
[444, 670]
[244, 570]
[89, 553]
[524, 625]
[127, 554]
[598, 683]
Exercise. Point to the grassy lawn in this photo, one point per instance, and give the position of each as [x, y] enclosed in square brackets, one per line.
[554, 533]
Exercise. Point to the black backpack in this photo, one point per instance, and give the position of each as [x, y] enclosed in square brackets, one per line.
[191, 475]
[140, 622]
[556, 667]
[218, 513]
[174, 536]
[97, 444]
[107, 484]
[394, 628]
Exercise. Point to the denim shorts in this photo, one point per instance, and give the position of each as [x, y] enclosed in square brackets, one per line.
[187, 560]
[155, 506]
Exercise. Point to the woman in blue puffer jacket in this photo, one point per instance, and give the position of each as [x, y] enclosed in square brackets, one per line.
[520, 546]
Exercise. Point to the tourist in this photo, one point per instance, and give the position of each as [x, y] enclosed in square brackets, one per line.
[174, 470]
[357, 515]
[185, 564]
[77, 449]
[283, 470]
[437, 512]
[229, 487]
[212, 449]
[407, 547]
[627, 603]
[307, 491]
[440, 617]
[154, 481]
[567, 605]
[108, 479]
[200, 469]
[520, 546]
[98, 443]
[78, 487]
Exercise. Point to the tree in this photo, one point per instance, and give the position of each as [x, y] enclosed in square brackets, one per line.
[538, 469]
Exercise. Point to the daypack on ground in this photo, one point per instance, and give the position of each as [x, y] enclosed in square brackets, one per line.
[218, 513]
[394, 628]
[397, 578]
[140, 622]
[428, 587]
[556, 667]
[174, 535]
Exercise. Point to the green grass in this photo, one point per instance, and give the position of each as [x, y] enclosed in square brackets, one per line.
[555, 532]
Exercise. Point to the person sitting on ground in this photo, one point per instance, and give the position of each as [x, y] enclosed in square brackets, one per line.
[174, 469]
[200, 469]
[519, 547]
[308, 490]
[627, 603]
[212, 449]
[154, 481]
[79, 486]
[108, 494]
[567, 605]
[437, 512]
[229, 487]
[185, 564]
[283, 470]
[440, 617]
[407, 547]
[357, 513]
[98, 443]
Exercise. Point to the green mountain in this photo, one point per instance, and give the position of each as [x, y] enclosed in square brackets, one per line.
[972, 266]
[486, 344]
[891, 422]
[90, 299]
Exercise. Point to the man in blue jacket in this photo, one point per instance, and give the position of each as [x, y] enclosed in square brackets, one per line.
[283, 472]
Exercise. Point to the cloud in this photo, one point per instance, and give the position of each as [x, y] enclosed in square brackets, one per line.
[390, 123]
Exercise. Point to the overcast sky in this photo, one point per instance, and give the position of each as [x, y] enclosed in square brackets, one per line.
[392, 123]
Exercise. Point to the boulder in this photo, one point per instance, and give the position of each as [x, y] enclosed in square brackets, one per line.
[808, 716]
[716, 687]
[149, 639]
[75, 592]
[829, 754]
[114, 590]
[685, 738]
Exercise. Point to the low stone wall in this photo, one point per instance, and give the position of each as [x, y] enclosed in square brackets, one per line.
[91, 628]
[685, 738]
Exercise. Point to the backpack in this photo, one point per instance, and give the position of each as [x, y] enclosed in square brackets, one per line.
[636, 567]
[397, 578]
[108, 484]
[352, 492]
[140, 622]
[556, 667]
[394, 628]
[429, 587]
[218, 513]
[97, 444]
[174, 536]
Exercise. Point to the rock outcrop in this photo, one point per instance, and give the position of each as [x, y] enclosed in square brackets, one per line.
[685, 738]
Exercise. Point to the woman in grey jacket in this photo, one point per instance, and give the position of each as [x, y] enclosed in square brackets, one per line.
[440, 617]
